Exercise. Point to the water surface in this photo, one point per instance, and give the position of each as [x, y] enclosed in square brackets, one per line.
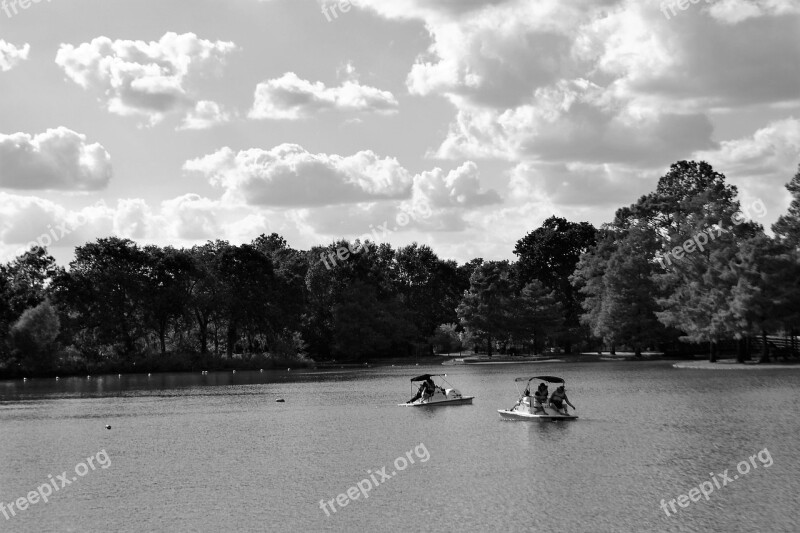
[192, 452]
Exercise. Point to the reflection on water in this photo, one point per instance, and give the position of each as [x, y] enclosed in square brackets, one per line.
[193, 452]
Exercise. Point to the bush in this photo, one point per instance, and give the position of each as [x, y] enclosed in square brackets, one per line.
[33, 337]
[446, 339]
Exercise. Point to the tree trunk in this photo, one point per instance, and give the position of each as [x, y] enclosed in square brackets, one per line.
[764, 348]
[740, 348]
[202, 323]
[489, 345]
[712, 352]
[638, 351]
[231, 338]
[613, 350]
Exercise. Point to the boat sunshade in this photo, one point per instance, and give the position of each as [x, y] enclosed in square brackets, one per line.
[423, 377]
[549, 379]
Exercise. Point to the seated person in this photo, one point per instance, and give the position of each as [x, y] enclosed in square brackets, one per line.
[558, 398]
[426, 390]
[540, 397]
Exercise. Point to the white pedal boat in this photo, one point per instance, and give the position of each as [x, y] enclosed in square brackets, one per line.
[441, 394]
[527, 408]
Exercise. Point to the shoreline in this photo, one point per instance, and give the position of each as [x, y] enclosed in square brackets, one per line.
[731, 364]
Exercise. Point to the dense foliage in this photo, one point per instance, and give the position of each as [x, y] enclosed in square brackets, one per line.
[681, 265]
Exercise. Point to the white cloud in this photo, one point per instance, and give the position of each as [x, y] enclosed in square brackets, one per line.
[760, 165]
[458, 188]
[205, 114]
[191, 217]
[605, 81]
[291, 98]
[26, 221]
[735, 11]
[579, 184]
[289, 176]
[11, 55]
[59, 159]
[144, 79]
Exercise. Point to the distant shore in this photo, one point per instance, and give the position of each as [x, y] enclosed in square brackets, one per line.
[731, 364]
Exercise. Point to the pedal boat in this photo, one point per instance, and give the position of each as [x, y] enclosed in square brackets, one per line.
[443, 393]
[527, 408]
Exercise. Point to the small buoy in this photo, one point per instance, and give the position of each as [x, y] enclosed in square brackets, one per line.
[148, 375]
[24, 379]
[234, 371]
[56, 378]
[288, 369]
[108, 427]
[280, 400]
[119, 375]
[261, 370]
[88, 377]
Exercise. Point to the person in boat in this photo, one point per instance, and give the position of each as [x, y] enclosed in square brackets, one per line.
[558, 399]
[425, 390]
[540, 397]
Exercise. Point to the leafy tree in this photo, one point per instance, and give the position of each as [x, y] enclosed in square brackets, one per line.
[767, 287]
[446, 339]
[247, 285]
[429, 286]
[207, 295]
[34, 336]
[290, 267]
[536, 314]
[366, 327]
[550, 254]
[168, 275]
[487, 306]
[104, 291]
[787, 228]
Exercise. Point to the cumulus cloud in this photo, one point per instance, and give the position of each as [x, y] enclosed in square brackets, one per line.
[288, 175]
[609, 81]
[291, 98]
[191, 217]
[735, 11]
[27, 221]
[11, 55]
[147, 79]
[579, 184]
[567, 123]
[458, 188]
[205, 114]
[58, 159]
[761, 164]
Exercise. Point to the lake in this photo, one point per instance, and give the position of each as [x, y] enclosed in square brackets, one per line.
[216, 452]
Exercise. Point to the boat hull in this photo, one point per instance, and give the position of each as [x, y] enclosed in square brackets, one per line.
[454, 401]
[550, 414]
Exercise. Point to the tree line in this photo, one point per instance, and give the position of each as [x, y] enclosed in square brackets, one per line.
[680, 268]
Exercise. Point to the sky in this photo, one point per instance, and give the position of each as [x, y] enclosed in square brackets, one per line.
[460, 124]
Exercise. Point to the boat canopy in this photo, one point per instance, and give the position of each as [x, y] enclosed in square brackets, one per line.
[548, 379]
[423, 377]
